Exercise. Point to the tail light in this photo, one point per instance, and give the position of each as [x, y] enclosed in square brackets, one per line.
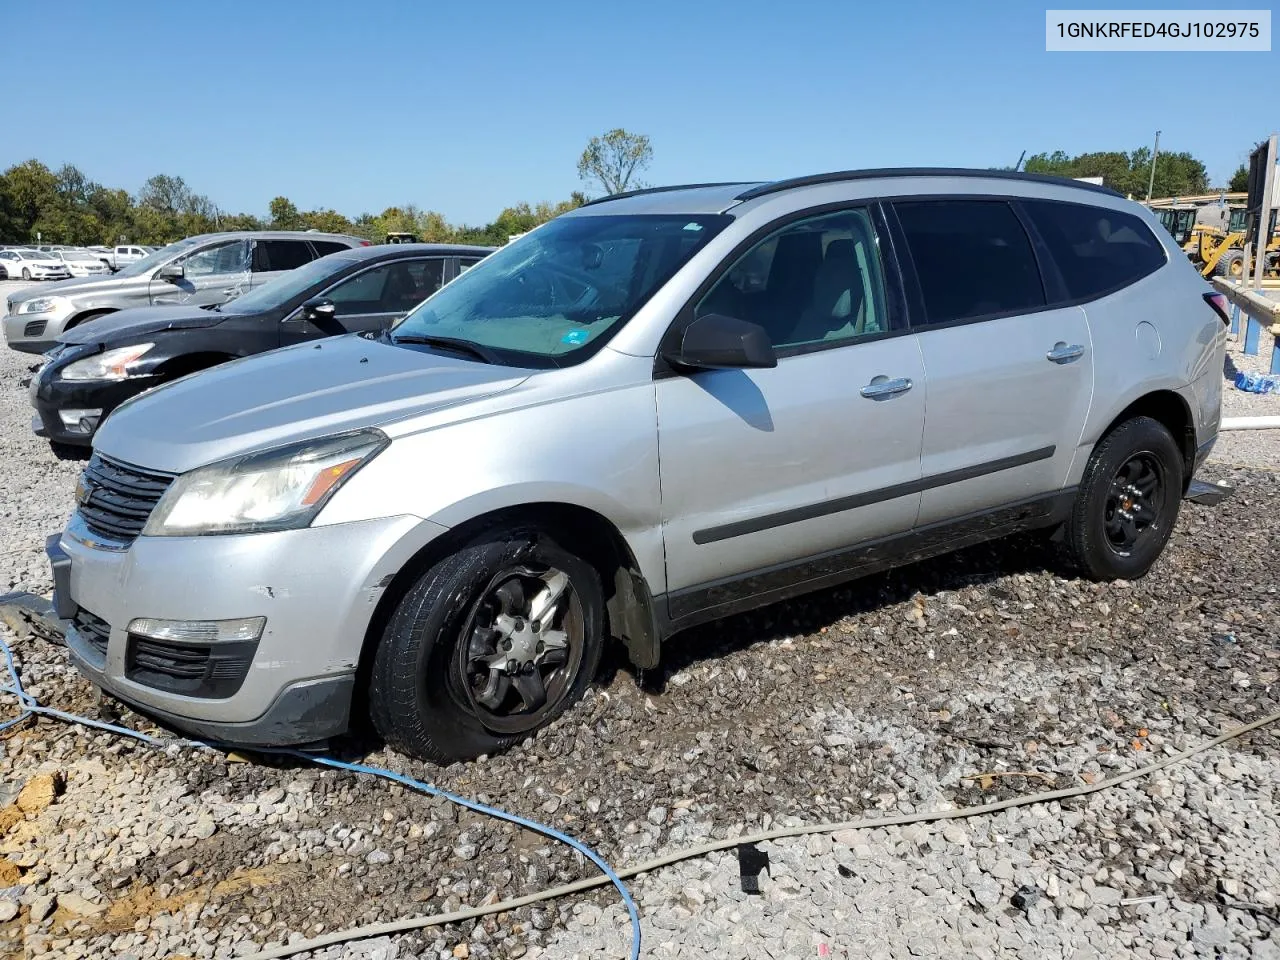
[1219, 303]
[366, 243]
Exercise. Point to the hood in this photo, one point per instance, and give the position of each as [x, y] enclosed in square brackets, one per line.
[75, 285]
[309, 390]
[139, 322]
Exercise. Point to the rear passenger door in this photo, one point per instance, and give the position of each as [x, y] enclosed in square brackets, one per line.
[1009, 377]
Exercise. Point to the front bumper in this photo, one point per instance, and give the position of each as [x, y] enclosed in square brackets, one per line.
[50, 395]
[316, 587]
[34, 332]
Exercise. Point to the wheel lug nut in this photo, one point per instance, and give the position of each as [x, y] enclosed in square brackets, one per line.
[506, 644]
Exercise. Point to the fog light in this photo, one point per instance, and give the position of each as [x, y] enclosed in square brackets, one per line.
[72, 419]
[199, 631]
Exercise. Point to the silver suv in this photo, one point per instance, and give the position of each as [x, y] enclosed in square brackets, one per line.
[204, 270]
[654, 411]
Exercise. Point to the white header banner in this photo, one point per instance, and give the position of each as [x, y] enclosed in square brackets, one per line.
[1139, 30]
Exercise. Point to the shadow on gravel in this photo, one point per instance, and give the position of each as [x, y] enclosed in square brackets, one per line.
[981, 565]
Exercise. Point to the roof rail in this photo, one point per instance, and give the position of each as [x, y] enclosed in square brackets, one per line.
[777, 186]
[666, 189]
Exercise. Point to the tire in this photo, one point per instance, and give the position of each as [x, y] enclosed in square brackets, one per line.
[1127, 503]
[26, 274]
[432, 697]
[1231, 264]
[4, 274]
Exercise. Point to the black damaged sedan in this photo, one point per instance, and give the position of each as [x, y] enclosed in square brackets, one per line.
[98, 365]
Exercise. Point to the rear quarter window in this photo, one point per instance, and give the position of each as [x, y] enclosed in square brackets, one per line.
[1096, 250]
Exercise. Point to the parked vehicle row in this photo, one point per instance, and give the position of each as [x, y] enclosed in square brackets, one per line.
[23, 263]
[653, 411]
[98, 365]
[197, 271]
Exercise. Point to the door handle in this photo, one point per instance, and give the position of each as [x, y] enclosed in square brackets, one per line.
[879, 389]
[1065, 352]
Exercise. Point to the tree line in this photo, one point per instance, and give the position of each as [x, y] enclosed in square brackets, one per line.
[65, 206]
[1177, 174]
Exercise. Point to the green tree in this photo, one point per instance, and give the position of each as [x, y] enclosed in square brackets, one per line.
[31, 189]
[326, 221]
[611, 161]
[1239, 180]
[284, 215]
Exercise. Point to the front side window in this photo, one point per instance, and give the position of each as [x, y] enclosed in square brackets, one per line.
[1096, 250]
[816, 281]
[548, 298]
[972, 258]
[215, 261]
[390, 288]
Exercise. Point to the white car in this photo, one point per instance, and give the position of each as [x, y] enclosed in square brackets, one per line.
[82, 263]
[32, 265]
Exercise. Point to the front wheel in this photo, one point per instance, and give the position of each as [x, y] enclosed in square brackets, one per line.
[493, 642]
[26, 274]
[1128, 501]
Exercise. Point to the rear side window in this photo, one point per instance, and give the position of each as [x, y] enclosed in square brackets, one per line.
[972, 257]
[1096, 250]
[271, 255]
[326, 247]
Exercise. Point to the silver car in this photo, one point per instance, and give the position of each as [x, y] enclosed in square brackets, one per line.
[203, 270]
[654, 411]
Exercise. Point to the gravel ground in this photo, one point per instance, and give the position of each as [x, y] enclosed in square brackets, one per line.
[894, 695]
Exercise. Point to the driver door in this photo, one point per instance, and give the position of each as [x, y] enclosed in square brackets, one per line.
[369, 301]
[213, 274]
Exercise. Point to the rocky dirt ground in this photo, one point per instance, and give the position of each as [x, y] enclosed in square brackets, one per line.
[953, 682]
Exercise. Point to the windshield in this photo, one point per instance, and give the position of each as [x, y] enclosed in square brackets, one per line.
[277, 292]
[139, 267]
[554, 296]
[80, 255]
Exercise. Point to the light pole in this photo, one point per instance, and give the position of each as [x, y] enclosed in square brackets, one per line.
[1155, 152]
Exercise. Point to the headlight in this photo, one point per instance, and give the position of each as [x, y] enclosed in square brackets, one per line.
[40, 305]
[280, 489]
[108, 365]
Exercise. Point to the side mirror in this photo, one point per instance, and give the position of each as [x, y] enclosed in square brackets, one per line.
[172, 272]
[319, 308]
[717, 342]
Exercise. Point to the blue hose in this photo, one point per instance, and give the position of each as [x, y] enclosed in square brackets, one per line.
[31, 707]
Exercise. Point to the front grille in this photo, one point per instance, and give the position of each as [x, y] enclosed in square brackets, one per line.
[115, 501]
[34, 328]
[93, 629]
[195, 670]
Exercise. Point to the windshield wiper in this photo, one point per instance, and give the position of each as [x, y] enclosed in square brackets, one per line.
[483, 354]
[215, 307]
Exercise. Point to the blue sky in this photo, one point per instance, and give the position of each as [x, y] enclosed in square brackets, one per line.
[469, 107]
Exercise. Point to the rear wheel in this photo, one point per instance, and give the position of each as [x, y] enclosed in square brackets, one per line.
[493, 642]
[1128, 501]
